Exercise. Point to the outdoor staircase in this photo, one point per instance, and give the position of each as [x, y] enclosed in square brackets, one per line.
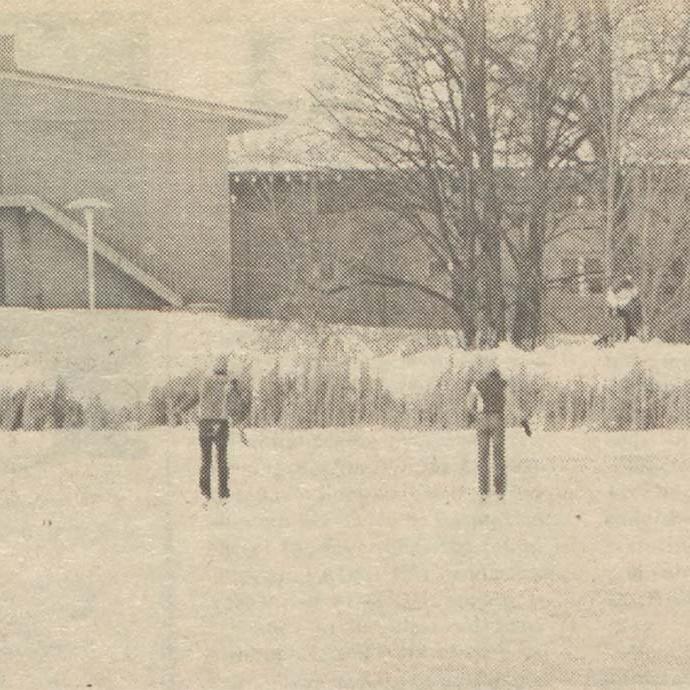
[61, 220]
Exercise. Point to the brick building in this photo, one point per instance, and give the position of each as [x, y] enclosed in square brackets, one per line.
[160, 160]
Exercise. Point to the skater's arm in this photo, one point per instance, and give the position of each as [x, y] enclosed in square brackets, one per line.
[239, 405]
[472, 400]
[515, 411]
[239, 424]
[473, 404]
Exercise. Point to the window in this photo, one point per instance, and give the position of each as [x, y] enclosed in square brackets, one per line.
[582, 275]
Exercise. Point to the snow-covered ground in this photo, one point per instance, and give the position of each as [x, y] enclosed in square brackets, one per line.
[120, 356]
[346, 559]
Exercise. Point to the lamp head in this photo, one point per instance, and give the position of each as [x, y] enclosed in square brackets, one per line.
[89, 202]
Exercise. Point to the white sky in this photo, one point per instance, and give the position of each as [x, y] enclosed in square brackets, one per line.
[234, 51]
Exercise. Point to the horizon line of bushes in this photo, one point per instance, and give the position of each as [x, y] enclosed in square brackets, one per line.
[324, 394]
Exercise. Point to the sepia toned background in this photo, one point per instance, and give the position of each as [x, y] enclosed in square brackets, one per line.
[355, 551]
[234, 52]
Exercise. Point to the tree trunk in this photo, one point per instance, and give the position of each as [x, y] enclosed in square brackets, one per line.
[528, 308]
[541, 94]
[463, 294]
[487, 207]
[528, 300]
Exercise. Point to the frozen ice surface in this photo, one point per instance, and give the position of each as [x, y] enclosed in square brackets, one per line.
[345, 559]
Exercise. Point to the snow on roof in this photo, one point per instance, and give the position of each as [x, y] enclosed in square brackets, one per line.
[292, 146]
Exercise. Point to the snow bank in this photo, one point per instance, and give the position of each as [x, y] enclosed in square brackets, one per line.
[120, 356]
[116, 355]
[413, 376]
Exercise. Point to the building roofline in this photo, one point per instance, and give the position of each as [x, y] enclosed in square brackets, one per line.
[256, 118]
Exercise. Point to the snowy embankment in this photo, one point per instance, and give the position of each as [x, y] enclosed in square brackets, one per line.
[126, 368]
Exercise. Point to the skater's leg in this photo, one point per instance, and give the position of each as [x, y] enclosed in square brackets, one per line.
[222, 449]
[499, 443]
[206, 443]
[483, 449]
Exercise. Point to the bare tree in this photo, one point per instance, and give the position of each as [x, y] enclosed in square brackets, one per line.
[535, 57]
[415, 98]
[587, 82]
[633, 73]
[440, 89]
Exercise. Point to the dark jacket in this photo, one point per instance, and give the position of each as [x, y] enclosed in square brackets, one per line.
[492, 389]
[627, 305]
[632, 312]
[490, 396]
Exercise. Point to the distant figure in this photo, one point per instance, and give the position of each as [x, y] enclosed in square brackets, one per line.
[221, 401]
[487, 402]
[624, 301]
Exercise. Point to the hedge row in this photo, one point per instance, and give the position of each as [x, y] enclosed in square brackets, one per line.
[325, 394]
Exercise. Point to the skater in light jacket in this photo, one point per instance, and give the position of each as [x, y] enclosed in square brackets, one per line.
[624, 301]
[221, 401]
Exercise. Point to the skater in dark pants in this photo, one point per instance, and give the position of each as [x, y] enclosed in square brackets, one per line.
[487, 402]
[220, 401]
[214, 433]
[214, 430]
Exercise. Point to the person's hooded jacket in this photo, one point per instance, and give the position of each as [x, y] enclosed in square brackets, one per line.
[221, 398]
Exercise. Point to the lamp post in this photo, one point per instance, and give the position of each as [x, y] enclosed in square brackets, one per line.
[89, 207]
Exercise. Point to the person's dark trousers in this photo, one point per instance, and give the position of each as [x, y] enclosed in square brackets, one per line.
[629, 329]
[491, 434]
[214, 432]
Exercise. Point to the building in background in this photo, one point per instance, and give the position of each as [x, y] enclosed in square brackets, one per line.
[303, 207]
[293, 225]
[215, 204]
[161, 160]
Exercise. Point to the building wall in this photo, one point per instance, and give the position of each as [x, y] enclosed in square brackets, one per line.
[273, 258]
[269, 259]
[163, 170]
[578, 306]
